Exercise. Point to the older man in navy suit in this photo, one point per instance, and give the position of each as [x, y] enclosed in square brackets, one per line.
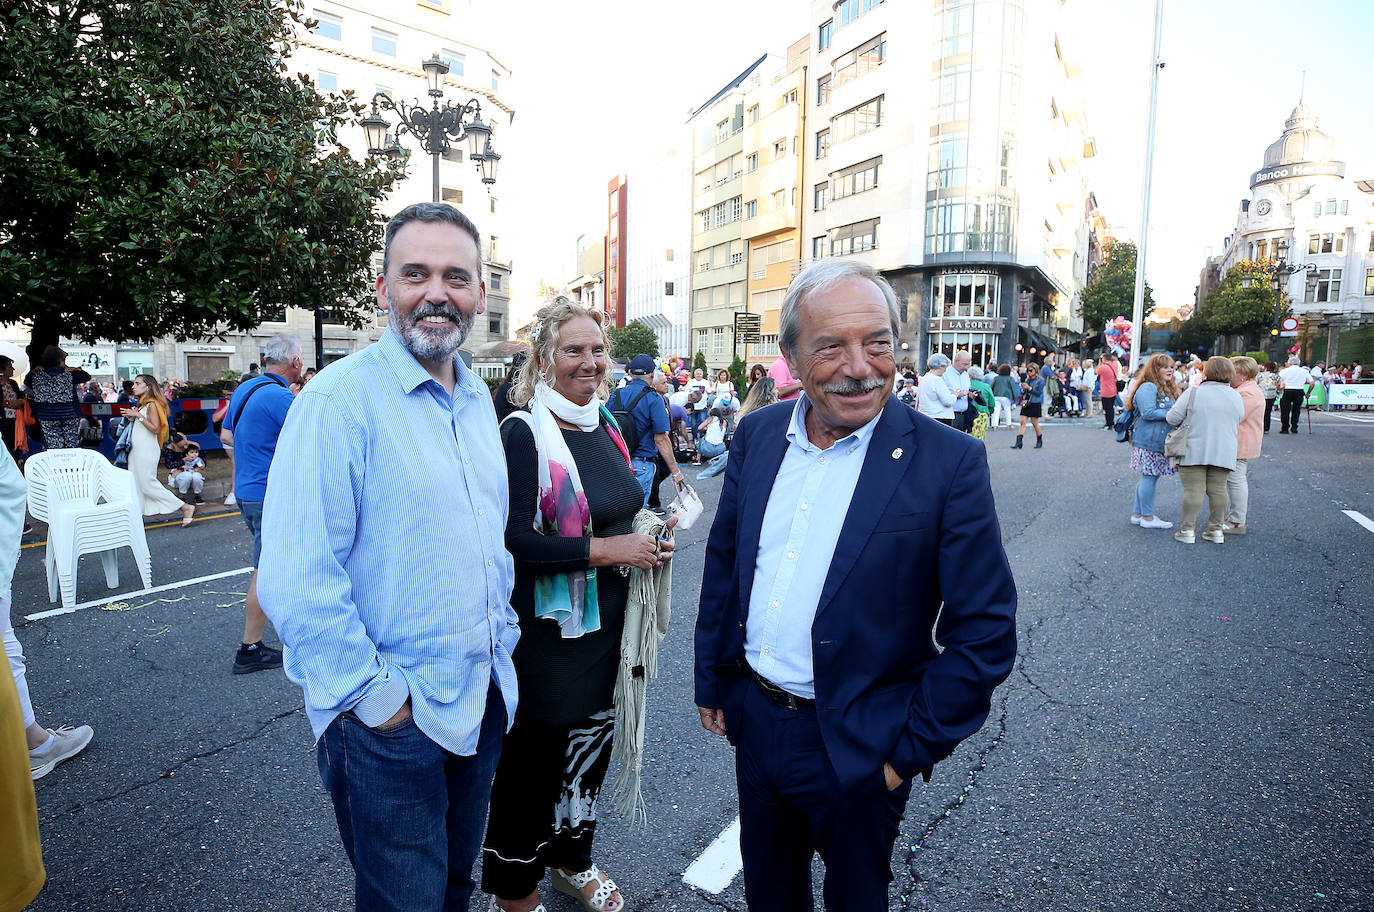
[869, 611]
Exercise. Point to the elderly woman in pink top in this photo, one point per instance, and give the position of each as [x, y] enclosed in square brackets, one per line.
[1248, 439]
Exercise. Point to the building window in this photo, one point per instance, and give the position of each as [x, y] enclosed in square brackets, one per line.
[328, 82]
[454, 60]
[849, 10]
[766, 347]
[859, 120]
[1314, 242]
[1345, 207]
[495, 81]
[1327, 287]
[494, 323]
[823, 89]
[667, 289]
[495, 282]
[820, 196]
[970, 223]
[452, 195]
[953, 87]
[752, 162]
[751, 209]
[720, 214]
[753, 114]
[790, 97]
[327, 25]
[855, 238]
[1262, 250]
[770, 254]
[723, 130]
[947, 166]
[718, 340]
[823, 143]
[779, 199]
[863, 59]
[1331, 207]
[856, 178]
[1369, 282]
[956, 30]
[825, 35]
[384, 42]
[491, 203]
[964, 295]
[1317, 208]
[701, 341]
[779, 149]
[819, 247]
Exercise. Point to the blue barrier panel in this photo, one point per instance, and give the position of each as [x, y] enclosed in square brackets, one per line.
[188, 416]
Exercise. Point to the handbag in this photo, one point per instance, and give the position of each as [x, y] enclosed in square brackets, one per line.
[1124, 424]
[686, 506]
[1176, 444]
[125, 444]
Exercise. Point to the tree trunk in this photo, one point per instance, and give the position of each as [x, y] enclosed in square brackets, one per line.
[47, 330]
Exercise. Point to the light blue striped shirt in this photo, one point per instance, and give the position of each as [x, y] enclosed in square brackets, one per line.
[957, 381]
[801, 526]
[383, 562]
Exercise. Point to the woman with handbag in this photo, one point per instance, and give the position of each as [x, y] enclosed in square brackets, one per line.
[1206, 422]
[573, 506]
[54, 391]
[151, 430]
[1151, 394]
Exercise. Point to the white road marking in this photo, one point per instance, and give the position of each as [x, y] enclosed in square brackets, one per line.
[136, 594]
[1355, 418]
[717, 866]
[1360, 518]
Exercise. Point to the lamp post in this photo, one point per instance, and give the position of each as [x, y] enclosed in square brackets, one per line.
[1282, 270]
[435, 126]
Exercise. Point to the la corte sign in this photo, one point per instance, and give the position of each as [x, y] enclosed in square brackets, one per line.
[967, 324]
[1297, 169]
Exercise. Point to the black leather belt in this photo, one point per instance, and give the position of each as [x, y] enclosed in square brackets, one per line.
[783, 698]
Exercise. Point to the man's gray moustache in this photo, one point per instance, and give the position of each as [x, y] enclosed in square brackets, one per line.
[849, 387]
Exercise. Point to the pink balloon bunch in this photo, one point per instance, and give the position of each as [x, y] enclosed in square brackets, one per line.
[1118, 334]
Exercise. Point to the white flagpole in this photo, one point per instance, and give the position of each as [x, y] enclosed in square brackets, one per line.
[1137, 310]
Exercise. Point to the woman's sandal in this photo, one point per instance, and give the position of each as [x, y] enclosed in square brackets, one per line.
[493, 907]
[572, 886]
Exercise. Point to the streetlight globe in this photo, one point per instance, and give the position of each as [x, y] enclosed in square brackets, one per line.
[478, 136]
[434, 74]
[1246, 281]
[375, 129]
[487, 163]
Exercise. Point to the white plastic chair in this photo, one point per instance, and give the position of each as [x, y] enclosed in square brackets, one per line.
[90, 507]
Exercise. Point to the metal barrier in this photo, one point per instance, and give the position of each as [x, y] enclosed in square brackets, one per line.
[191, 417]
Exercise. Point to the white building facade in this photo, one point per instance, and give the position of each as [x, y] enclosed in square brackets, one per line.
[946, 147]
[1303, 209]
[658, 249]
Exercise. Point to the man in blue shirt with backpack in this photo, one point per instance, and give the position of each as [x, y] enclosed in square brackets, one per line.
[645, 427]
[252, 424]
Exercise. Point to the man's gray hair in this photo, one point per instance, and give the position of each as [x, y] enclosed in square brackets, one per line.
[822, 276]
[430, 212]
[937, 361]
[281, 349]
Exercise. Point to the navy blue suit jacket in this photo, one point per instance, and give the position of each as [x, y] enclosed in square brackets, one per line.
[919, 561]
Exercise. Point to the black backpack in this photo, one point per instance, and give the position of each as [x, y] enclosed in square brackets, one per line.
[629, 430]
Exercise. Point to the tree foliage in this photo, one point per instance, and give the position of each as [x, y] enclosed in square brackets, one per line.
[737, 375]
[635, 338]
[1232, 308]
[161, 173]
[699, 362]
[1111, 292]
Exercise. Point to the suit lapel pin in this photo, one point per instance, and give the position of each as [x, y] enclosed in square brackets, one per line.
[897, 453]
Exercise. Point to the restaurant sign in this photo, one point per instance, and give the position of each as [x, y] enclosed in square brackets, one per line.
[967, 324]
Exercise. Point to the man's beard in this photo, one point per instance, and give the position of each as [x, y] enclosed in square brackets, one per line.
[433, 344]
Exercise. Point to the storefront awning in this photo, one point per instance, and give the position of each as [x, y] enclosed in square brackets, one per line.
[1032, 339]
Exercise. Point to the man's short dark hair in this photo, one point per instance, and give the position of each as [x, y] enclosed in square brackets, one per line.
[430, 212]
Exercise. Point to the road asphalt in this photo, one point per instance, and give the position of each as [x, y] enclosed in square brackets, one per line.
[1188, 727]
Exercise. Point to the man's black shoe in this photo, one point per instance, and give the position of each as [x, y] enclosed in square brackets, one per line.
[199, 499]
[258, 658]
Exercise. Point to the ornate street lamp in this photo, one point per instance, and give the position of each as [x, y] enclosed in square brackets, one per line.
[435, 127]
[1282, 270]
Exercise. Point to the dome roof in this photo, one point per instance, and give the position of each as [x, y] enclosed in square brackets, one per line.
[1301, 141]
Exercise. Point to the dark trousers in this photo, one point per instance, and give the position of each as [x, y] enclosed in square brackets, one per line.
[410, 814]
[661, 475]
[963, 421]
[1109, 409]
[791, 807]
[1290, 407]
[543, 802]
[1268, 410]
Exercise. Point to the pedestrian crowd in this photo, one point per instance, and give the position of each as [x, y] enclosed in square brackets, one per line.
[420, 546]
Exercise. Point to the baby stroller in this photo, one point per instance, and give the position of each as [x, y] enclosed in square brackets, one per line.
[1054, 394]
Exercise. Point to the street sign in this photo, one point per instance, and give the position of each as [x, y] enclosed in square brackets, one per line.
[1289, 324]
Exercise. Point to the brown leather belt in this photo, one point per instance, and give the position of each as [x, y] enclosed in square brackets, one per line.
[783, 698]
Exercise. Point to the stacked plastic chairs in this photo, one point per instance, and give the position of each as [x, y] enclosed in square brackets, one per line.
[90, 507]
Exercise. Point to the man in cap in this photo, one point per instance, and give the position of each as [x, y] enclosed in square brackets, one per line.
[650, 417]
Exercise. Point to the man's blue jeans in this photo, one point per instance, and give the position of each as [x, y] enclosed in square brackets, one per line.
[410, 814]
[644, 474]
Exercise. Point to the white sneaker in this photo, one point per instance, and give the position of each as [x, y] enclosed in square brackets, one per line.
[1185, 537]
[1215, 536]
[67, 743]
[1136, 520]
[1155, 523]
[230, 501]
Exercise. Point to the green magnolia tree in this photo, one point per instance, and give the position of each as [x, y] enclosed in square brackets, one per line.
[162, 174]
[699, 362]
[1111, 293]
[633, 339]
[737, 376]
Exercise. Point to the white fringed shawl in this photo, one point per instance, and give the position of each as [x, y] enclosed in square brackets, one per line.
[646, 622]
